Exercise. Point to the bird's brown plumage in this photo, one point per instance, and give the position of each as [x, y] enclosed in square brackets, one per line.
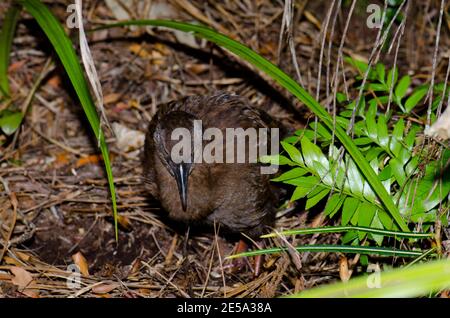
[235, 195]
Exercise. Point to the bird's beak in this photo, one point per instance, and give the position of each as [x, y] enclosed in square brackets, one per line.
[181, 174]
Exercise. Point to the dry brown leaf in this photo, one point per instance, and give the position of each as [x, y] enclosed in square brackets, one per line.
[344, 272]
[162, 48]
[121, 106]
[299, 285]
[23, 256]
[317, 221]
[125, 222]
[441, 128]
[32, 293]
[270, 261]
[5, 276]
[111, 98]
[128, 139]
[22, 277]
[62, 159]
[157, 58]
[105, 288]
[81, 262]
[133, 103]
[11, 261]
[54, 81]
[311, 18]
[92, 159]
[139, 50]
[156, 55]
[197, 68]
[135, 267]
[268, 48]
[15, 66]
[144, 291]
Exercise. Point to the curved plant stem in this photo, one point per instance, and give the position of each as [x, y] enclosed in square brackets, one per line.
[368, 250]
[63, 47]
[339, 229]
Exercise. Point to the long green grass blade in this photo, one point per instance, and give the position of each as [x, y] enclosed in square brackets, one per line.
[293, 87]
[368, 250]
[340, 229]
[63, 47]
[415, 281]
[6, 37]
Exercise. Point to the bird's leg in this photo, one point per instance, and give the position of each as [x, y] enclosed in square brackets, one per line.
[186, 239]
[241, 247]
[258, 259]
[258, 262]
[238, 263]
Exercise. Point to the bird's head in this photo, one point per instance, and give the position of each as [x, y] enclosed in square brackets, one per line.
[174, 140]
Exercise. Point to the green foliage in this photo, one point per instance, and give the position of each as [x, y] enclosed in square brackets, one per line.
[319, 173]
[10, 121]
[380, 86]
[6, 37]
[413, 281]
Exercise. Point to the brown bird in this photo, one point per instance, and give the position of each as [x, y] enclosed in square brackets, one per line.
[235, 195]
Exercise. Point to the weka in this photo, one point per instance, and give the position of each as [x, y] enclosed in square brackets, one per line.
[235, 195]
